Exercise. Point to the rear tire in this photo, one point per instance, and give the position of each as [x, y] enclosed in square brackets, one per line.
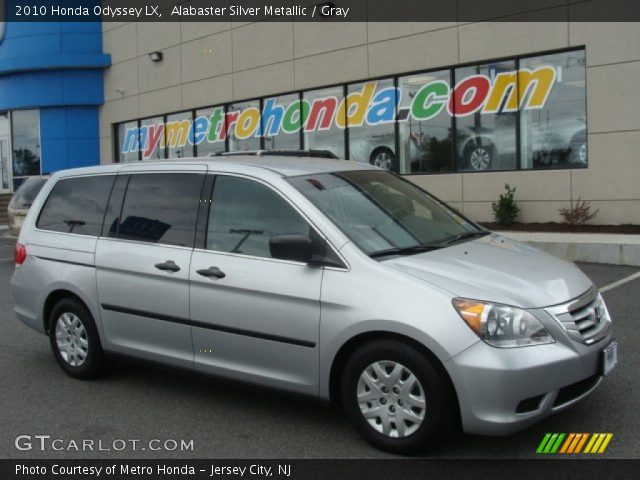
[407, 408]
[74, 339]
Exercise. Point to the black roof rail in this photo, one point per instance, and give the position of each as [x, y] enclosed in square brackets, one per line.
[280, 153]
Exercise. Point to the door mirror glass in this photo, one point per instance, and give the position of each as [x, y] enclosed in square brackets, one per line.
[297, 248]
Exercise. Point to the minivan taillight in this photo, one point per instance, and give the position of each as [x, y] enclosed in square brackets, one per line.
[20, 254]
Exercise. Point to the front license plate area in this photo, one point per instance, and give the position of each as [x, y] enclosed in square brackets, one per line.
[609, 358]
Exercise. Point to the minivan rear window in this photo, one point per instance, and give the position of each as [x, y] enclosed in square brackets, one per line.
[76, 205]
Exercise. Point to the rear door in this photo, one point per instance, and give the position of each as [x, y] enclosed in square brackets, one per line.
[254, 317]
[142, 264]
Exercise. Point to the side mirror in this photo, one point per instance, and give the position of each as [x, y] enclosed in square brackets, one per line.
[297, 248]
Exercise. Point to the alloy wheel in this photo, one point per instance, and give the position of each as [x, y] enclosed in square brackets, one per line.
[480, 158]
[383, 159]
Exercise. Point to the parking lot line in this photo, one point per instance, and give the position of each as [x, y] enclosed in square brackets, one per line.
[620, 282]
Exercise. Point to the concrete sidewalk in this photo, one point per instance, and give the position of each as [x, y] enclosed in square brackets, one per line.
[613, 249]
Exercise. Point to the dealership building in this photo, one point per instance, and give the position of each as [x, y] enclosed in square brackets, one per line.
[461, 109]
[51, 87]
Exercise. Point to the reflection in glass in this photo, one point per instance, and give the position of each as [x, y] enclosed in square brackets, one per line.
[5, 150]
[152, 138]
[161, 208]
[374, 144]
[555, 136]
[484, 141]
[129, 142]
[321, 130]
[212, 141]
[281, 120]
[379, 211]
[25, 144]
[243, 122]
[76, 205]
[425, 145]
[178, 135]
[245, 215]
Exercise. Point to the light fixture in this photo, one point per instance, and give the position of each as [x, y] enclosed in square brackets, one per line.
[155, 56]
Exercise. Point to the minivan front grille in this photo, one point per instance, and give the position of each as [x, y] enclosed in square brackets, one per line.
[585, 319]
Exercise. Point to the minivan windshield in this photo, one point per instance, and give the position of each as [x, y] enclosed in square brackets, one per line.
[384, 214]
[27, 192]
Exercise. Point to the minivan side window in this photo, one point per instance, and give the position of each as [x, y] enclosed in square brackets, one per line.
[245, 214]
[76, 205]
[161, 208]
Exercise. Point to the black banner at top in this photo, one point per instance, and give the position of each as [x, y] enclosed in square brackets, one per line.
[320, 11]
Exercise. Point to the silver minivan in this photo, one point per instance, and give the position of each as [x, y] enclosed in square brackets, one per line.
[322, 277]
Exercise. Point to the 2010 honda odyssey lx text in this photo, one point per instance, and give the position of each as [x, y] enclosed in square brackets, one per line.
[323, 277]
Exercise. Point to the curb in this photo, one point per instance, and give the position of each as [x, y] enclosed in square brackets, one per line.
[584, 247]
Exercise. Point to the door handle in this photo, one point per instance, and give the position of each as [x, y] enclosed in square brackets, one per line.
[211, 272]
[169, 266]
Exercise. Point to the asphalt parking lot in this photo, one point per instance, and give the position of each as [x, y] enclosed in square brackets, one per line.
[233, 421]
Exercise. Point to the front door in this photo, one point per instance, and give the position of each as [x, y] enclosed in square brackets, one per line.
[5, 165]
[254, 317]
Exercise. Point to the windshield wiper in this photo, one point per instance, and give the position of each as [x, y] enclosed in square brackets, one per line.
[405, 250]
[465, 236]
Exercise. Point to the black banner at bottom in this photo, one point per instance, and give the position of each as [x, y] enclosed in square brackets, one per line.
[405, 469]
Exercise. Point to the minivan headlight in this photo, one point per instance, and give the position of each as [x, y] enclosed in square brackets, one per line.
[502, 326]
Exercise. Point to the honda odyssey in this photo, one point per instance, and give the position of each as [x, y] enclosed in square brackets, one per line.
[328, 278]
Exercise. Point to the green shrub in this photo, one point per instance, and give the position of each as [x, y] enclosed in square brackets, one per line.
[505, 209]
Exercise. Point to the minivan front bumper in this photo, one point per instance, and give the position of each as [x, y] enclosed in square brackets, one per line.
[504, 390]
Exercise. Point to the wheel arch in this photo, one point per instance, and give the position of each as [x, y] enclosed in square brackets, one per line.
[355, 342]
[53, 298]
[382, 148]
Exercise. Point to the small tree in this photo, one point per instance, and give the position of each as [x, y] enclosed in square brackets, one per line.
[577, 213]
[505, 209]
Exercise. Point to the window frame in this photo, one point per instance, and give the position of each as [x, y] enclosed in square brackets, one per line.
[202, 226]
[123, 200]
[86, 235]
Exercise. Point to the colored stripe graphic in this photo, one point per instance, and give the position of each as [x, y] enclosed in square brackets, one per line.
[573, 443]
[550, 443]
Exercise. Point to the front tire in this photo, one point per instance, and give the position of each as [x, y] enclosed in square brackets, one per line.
[396, 398]
[384, 158]
[74, 339]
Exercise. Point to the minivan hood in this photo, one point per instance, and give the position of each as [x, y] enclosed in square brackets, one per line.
[498, 269]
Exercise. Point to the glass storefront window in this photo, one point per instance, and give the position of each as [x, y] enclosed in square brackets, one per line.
[243, 126]
[555, 136]
[464, 119]
[128, 142]
[152, 138]
[209, 130]
[426, 132]
[5, 152]
[179, 135]
[371, 111]
[25, 129]
[281, 120]
[485, 127]
[324, 126]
